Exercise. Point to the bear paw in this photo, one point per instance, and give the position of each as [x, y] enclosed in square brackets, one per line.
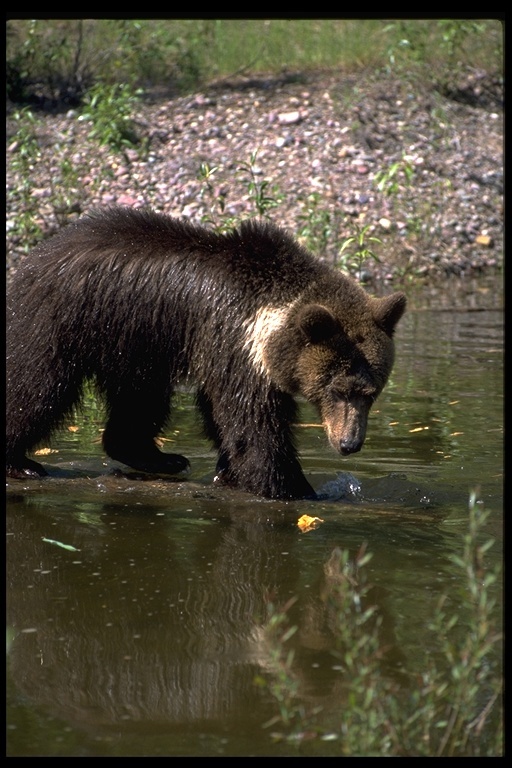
[162, 464]
[28, 469]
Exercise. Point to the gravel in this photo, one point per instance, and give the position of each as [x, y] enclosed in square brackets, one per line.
[321, 141]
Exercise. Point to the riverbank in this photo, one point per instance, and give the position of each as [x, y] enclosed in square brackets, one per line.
[342, 156]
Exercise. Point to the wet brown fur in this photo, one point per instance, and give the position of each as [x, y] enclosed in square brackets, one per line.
[137, 301]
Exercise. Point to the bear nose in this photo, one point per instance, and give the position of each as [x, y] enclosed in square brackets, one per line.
[350, 446]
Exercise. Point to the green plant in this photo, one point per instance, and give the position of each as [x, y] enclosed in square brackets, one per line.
[455, 710]
[63, 194]
[63, 57]
[398, 176]
[317, 227]
[355, 260]
[56, 62]
[109, 108]
[66, 190]
[216, 201]
[257, 194]
[409, 46]
[363, 720]
[26, 154]
[151, 51]
[258, 189]
[283, 685]
[439, 51]
[464, 697]
[457, 36]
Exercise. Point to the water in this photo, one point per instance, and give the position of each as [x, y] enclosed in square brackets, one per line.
[144, 636]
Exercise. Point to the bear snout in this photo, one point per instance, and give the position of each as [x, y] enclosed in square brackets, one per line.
[345, 425]
[349, 446]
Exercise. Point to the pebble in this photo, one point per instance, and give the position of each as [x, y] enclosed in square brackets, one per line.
[288, 118]
[329, 136]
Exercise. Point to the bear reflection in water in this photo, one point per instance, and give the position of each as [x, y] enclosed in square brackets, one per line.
[180, 637]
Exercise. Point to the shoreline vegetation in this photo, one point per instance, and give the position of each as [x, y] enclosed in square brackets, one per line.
[385, 159]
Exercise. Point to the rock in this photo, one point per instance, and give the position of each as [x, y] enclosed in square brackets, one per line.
[288, 118]
[330, 152]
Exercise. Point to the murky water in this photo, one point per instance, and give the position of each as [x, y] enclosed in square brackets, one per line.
[144, 636]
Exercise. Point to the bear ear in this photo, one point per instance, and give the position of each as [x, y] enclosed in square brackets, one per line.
[388, 311]
[317, 323]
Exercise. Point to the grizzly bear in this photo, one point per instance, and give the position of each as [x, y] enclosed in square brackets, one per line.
[136, 302]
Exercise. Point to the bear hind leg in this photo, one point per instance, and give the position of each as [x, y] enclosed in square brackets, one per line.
[130, 433]
[25, 468]
[37, 403]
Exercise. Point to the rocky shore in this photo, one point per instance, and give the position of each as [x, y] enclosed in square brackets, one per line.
[419, 170]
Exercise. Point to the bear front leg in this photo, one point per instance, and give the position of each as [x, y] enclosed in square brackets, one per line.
[256, 447]
[292, 486]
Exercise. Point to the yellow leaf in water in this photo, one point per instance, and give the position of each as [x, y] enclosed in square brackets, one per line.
[308, 523]
[418, 429]
[73, 429]
[45, 451]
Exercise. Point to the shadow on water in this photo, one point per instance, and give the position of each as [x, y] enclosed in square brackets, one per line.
[137, 608]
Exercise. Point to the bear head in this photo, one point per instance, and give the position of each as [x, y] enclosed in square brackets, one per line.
[338, 355]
